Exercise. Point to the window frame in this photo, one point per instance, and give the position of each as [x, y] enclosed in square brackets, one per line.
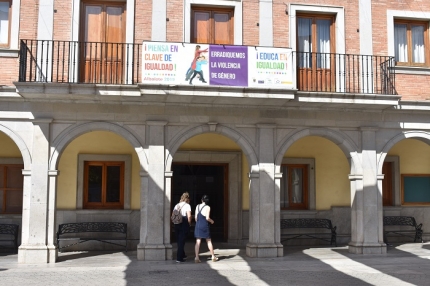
[212, 11]
[7, 45]
[126, 158]
[314, 18]
[3, 167]
[403, 190]
[103, 204]
[311, 189]
[234, 4]
[409, 23]
[305, 186]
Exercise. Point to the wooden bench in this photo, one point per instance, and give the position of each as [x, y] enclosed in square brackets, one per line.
[92, 231]
[9, 233]
[311, 223]
[403, 221]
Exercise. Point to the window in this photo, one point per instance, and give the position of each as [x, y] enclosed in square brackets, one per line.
[103, 31]
[103, 185]
[294, 186]
[11, 185]
[212, 26]
[5, 22]
[315, 47]
[411, 43]
[415, 189]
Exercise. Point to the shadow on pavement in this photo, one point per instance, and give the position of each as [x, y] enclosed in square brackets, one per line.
[404, 264]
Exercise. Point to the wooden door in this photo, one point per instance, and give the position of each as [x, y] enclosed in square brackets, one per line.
[387, 184]
[200, 179]
[103, 38]
[212, 26]
[315, 53]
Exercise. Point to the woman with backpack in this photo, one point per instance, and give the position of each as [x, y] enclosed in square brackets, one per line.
[182, 228]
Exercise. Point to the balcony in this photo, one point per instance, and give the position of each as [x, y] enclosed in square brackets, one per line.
[315, 77]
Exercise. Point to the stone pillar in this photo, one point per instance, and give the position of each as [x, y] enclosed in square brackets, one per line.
[33, 247]
[366, 201]
[52, 221]
[264, 210]
[152, 202]
[266, 23]
[159, 25]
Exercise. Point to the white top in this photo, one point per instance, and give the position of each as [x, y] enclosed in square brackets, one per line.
[184, 208]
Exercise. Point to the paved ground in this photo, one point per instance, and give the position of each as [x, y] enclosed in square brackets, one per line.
[407, 264]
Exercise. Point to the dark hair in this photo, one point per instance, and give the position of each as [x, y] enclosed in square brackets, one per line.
[205, 199]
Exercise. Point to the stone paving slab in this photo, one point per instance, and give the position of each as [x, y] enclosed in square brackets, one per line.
[406, 264]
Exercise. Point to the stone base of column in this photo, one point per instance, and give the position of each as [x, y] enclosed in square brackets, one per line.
[154, 252]
[52, 253]
[367, 248]
[33, 254]
[264, 250]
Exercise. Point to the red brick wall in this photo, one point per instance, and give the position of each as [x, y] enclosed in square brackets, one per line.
[63, 20]
[28, 30]
[250, 18]
[175, 25]
[281, 23]
[410, 87]
[143, 21]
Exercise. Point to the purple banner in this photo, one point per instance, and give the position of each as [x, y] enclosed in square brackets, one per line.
[228, 65]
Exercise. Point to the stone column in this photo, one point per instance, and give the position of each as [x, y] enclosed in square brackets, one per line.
[33, 247]
[52, 222]
[264, 210]
[152, 203]
[366, 201]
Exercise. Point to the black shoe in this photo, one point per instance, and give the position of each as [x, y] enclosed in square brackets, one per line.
[185, 258]
[204, 81]
[190, 82]
[180, 261]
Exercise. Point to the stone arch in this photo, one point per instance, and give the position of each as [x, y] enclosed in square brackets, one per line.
[173, 146]
[347, 146]
[71, 133]
[420, 135]
[26, 157]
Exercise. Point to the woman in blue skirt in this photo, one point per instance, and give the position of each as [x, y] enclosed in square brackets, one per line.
[201, 229]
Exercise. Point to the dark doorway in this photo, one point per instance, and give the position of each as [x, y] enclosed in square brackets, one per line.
[200, 179]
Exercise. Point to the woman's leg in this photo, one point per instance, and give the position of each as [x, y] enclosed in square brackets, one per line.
[197, 248]
[180, 242]
[210, 246]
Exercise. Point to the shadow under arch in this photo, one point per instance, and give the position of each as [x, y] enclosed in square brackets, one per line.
[72, 132]
[419, 135]
[348, 147]
[173, 146]
[26, 157]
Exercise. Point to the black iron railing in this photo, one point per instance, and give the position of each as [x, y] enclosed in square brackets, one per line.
[345, 73]
[120, 63]
[79, 62]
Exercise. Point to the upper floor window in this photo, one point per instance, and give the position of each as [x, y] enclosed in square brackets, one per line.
[212, 25]
[11, 185]
[411, 43]
[103, 185]
[5, 20]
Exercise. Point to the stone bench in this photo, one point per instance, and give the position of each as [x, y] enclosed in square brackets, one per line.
[81, 232]
[407, 227]
[314, 225]
[9, 234]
